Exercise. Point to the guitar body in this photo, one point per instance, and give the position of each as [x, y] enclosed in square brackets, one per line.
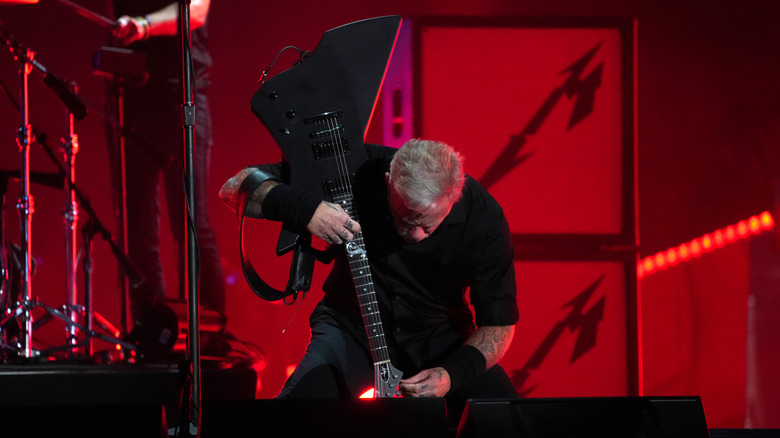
[318, 112]
[342, 77]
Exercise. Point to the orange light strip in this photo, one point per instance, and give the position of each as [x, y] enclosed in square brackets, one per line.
[741, 230]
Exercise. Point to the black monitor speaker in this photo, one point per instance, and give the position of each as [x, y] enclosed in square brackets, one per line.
[600, 417]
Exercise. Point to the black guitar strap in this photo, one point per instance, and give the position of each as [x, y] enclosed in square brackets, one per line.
[259, 287]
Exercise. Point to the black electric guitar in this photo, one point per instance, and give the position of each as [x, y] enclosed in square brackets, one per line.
[318, 112]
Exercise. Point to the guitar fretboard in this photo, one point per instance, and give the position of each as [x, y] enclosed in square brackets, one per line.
[364, 287]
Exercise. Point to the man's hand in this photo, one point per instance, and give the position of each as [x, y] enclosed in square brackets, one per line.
[131, 29]
[434, 382]
[332, 224]
[165, 22]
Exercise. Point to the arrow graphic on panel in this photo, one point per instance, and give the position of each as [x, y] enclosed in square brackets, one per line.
[577, 320]
[583, 89]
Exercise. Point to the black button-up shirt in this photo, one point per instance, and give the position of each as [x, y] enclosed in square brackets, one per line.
[421, 288]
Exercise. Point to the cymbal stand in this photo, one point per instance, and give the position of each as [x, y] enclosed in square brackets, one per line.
[87, 232]
[70, 148]
[24, 205]
[10, 262]
[91, 227]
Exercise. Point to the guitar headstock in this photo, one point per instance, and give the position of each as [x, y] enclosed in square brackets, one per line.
[386, 380]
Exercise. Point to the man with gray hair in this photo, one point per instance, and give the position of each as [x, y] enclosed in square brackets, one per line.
[431, 233]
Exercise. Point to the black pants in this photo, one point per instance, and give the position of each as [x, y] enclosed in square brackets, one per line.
[153, 115]
[337, 365]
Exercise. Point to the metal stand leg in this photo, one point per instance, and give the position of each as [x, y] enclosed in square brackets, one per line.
[25, 204]
[71, 218]
[122, 204]
[6, 300]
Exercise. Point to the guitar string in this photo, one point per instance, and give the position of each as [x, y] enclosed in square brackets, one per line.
[373, 320]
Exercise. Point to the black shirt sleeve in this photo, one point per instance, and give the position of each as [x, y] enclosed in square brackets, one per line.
[492, 280]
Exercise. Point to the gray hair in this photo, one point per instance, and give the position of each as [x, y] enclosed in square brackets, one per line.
[426, 174]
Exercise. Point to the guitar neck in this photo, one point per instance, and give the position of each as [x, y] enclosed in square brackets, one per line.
[366, 295]
[386, 376]
[364, 288]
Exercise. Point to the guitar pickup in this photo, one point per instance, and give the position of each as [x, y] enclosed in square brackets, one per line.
[335, 189]
[330, 132]
[329, 149]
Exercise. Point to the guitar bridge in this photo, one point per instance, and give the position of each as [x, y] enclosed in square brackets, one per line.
[324, 116]
[329, 149]
[330, 132]
[332, 128]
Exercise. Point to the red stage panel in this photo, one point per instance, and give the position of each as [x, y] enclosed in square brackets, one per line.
[543, 115]
[576, 330]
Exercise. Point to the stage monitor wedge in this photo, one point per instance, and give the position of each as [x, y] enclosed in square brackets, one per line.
[587, 417]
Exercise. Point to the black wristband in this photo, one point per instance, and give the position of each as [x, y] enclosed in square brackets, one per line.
[290, 205]
[463, 365]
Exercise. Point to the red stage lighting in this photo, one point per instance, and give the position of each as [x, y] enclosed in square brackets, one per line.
[741, 230]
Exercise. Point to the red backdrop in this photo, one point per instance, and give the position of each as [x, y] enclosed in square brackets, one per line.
[705, 76]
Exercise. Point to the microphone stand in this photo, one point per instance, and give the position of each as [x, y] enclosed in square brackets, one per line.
[192, 418]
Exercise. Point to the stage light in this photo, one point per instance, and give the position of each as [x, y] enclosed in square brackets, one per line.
[671, 256]
[731, 234]
[717, 239]
[695, 247]
[684, 251]
[754, 225]
[706, 242]
[767, 222]
[742, 229]
[368, 394]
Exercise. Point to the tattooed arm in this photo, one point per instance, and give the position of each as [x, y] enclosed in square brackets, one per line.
[229, 193]
[491, 341]
[329, 221]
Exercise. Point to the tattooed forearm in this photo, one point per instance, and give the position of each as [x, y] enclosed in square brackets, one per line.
[229, 193]
[492, 342]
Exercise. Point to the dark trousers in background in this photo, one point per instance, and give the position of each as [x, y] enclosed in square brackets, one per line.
[153, 114]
